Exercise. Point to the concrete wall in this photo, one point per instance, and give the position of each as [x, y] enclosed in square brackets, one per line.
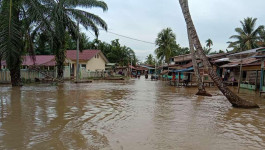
[95, 64]
[28, 74]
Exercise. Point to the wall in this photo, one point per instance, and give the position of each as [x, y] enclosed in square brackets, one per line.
[31, 75]
[95, 64]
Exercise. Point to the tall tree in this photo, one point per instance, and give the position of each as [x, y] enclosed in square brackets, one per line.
[262, 38]
[201, 88]
[150, 60]
[63, 17]
[166, 42]
[16, 30]
[209, 43]
[235, 100]
[247, 35]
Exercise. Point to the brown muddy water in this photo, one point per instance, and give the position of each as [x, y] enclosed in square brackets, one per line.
[126, 115]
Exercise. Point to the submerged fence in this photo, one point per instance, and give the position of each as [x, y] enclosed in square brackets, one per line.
[25, 75]
[31, 75]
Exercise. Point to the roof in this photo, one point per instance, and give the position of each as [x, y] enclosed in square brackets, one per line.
[237, 62]
[183, 70]
[84, 55]
[146, 67]
[164, 72]
[222, 60]
[212, 56]
[40, 60]
[132, 67]
[49, 60]
[248, 51]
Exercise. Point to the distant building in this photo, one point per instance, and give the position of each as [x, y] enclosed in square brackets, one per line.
[45, 61]
[91, 60]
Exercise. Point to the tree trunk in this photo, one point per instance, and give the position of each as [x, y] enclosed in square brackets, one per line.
[0, 62]
[15, 75]
[60, 58]
[235, 100]
[201, 88]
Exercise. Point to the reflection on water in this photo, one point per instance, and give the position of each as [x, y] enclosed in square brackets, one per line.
[136, 114]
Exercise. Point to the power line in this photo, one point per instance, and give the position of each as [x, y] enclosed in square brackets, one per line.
[129, 37]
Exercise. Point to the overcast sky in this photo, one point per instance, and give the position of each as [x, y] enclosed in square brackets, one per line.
[144, 19]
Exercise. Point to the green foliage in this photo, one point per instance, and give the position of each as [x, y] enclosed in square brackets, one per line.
[62, 18]
[181, 50]
[166, 42]
[247, 35]
[262, 38]
[114, 52]
[150, 60]
[207, 50]
[209, 43]
[167, 46]
[219, 52]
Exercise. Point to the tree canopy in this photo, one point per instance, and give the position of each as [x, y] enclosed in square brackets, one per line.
[167, 46]
[247, 35]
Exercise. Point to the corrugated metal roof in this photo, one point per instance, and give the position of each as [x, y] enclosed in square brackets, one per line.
[183, 70]
[237, 62]
[248, 51]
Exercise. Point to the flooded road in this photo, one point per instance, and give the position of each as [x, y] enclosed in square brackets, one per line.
[126, 115]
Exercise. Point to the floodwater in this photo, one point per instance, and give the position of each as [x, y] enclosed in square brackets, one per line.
[126, 115]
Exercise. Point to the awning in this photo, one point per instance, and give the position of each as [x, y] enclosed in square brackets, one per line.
[183, 70]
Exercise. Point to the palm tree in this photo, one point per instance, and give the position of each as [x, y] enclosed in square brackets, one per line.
[262, 38]
[150, 60]
[16, 31]
[166, 42]
[247, 36]
[201, 88]
[235, 100]
[63, 16]
[209, 43]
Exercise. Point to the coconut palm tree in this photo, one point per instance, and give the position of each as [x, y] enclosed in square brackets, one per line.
[150, 60]
[247, 35]
[209, 43]
[63, 16]
[201, 88]
[16, 31]
[166, 42]
[235, 100]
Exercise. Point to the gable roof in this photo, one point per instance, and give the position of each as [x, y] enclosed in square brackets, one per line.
[40, 60]
[84, 55]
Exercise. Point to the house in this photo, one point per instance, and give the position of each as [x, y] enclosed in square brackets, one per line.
[90, 60]
[44, 61]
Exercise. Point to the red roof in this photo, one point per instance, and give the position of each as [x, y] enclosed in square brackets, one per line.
[84, 55]
[41, 60]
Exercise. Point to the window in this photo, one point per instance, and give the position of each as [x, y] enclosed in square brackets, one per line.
[83, 65]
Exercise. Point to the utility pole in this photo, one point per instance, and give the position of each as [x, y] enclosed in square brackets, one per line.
[240, 75]
[77, 52]
[131, 66]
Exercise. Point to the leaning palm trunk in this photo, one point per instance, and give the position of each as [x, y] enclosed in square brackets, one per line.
[235, 100]
[201, 88]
